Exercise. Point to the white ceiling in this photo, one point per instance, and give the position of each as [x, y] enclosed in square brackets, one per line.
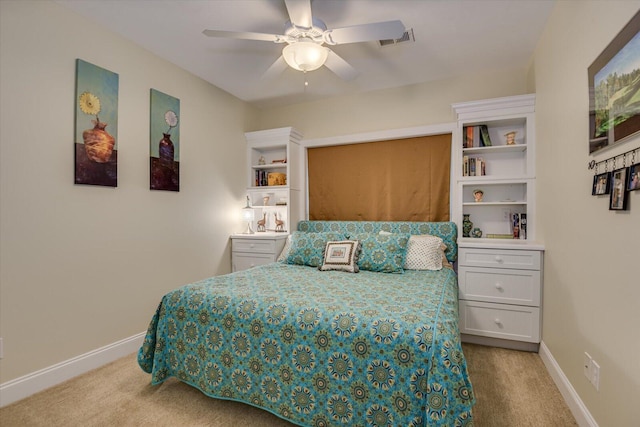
[452, 37]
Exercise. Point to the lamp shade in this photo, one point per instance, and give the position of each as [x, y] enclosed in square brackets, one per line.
[305, 55]
[248, 214]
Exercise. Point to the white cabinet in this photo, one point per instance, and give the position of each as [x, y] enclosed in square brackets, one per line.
[504, 170]
[274, 179]
[251, 250]
[500, 294]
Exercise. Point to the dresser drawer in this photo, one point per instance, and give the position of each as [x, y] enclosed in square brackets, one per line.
[243, 261]
[502, 258]
[253, 245]
[520, 287]
[504, 321]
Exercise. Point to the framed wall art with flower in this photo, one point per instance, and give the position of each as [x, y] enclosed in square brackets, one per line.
[96, 125]
[164, 143]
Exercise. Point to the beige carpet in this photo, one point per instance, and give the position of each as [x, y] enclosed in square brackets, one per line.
[512, 389]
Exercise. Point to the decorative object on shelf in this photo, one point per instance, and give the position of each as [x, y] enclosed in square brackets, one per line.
[265, 201]
[634, 177]
[478, 195]
[279, 223]
[279, 161]
[96, 159]
[164, 145]
[467, 225]
[262, 161]
[618, 194]
[511, 138]
[276, 178]
[476, 232]
[248, 215]
[261, 224]
[281, 202]
[613, 114]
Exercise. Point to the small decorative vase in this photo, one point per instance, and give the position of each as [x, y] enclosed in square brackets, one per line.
[98, 143]
[166, 150]
[467, 225]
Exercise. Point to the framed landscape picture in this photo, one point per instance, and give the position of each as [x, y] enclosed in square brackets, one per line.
[614, 89]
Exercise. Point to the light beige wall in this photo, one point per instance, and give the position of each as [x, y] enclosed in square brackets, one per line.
[592, 286]
[84, 266]
[408, 106]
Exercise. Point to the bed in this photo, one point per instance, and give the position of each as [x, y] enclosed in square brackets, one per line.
[322, 348]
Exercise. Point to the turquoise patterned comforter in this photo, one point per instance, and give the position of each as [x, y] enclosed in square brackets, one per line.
[319, 348]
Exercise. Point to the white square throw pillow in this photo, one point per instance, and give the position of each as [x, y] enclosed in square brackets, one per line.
[424, 252]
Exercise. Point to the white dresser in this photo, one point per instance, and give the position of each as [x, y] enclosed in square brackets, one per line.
[250, 250]
[501, 294]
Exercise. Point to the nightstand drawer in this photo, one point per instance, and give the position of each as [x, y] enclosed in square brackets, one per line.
[499, 285]
[504, 321]
[501, 258]
[253, 245]
[242, 262]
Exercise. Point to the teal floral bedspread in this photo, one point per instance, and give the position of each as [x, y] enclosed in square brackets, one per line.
[319, 348]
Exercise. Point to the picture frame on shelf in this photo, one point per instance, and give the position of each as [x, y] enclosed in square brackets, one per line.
[633, 181]
[613, 115]
[618, 192]
[601, 184]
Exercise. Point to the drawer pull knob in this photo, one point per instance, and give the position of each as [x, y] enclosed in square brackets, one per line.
[251, 245]
[498, 258]
[497, 321]
[499, 287]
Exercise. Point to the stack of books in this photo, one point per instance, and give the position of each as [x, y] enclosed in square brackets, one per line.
[473, 166]
[476, 136]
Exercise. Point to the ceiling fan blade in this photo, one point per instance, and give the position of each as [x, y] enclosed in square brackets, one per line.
[341, 67]
[275, 69]
[300, 12]
[245, 35]
[365, 32]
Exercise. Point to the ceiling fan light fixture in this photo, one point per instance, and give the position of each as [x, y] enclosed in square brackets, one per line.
[305, 55]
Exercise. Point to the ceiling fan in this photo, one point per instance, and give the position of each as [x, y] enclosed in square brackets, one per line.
[305, 36]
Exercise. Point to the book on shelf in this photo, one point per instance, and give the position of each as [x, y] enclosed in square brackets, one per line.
[471, 137]
[261, 178]
[519, 225]
[484, 136]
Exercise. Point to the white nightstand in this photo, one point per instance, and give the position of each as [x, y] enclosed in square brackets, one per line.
[500, 294]
[250, 250]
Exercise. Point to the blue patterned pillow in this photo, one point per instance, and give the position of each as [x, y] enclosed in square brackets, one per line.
[308, 248]
[385, 253]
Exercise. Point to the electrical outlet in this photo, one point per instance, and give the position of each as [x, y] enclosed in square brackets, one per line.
[595, 374]
[586, 366]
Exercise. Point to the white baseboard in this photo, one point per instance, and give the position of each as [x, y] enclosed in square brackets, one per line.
[576, 406]
[25, 386]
